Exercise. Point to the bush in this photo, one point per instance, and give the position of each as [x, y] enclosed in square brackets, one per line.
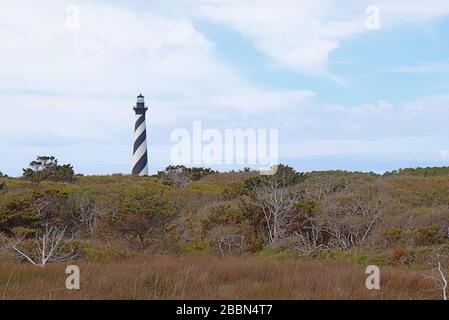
[47, 168]
[180, 176]
[2, 180]
[15, 212]
[427, 236]
[102, 253]
[143, 215]
[393, 236]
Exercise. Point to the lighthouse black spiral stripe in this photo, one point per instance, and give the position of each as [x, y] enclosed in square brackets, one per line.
[140, 155]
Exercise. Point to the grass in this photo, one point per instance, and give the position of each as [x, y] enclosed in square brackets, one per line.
[208, 277]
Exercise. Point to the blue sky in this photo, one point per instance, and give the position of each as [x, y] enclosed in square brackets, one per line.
[341, 95]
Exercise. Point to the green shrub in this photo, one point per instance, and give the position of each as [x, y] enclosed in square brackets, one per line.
[47, 168]
[195, 246]
[394, 235]
[102, 253]
[430, 235]
[379, 260]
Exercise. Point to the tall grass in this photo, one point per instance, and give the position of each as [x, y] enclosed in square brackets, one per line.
[207, 277]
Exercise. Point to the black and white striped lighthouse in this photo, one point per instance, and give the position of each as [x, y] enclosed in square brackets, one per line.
[140, 155]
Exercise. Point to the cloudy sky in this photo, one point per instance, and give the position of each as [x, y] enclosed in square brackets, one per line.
[342, 95]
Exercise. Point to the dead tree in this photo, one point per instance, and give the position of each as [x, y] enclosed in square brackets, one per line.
[310, 238]
[277, 203]
[85, 216]
[48, 246]
[227, 240]
[439, 275]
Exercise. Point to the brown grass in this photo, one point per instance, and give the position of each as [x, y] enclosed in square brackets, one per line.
[206, 277]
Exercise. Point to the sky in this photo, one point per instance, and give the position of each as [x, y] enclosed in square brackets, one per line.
[354, 85]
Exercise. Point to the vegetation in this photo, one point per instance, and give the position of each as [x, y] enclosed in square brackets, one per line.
[47, 168]
[425, 172]
[180, 176]
[207, 277]
[2, 180]
[332, 222]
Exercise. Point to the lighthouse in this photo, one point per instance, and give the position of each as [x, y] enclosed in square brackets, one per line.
[140, 155]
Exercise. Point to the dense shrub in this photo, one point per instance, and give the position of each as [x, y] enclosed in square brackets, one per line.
[180, 176]
[427, 236]
[47, 168]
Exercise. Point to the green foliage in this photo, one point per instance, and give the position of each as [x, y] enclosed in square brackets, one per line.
[17, 212]
[180, 176]
[285, 176]
[424, 172]
[196, 246]
[47, 168]
[2, 180]
[339, 173]
[223, 214]
[430, 235]
[379, 260]
[142, 214]
[307, 207]
[394, 235]
[198, 173]
[102, 253]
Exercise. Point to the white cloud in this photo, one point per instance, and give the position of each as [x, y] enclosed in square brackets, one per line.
[300, 35]
[434, 67]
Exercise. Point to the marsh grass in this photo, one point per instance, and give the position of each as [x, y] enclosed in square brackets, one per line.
[209, 277]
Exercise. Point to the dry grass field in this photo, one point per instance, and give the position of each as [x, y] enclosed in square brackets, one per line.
[208, 277]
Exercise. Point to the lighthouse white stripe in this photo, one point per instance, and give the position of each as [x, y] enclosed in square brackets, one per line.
[139, 131]
[144, 172]
[139, 152]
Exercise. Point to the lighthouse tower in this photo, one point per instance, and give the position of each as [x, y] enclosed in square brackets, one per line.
[140, 155]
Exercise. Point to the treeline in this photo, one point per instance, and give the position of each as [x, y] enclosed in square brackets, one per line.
[423, 172]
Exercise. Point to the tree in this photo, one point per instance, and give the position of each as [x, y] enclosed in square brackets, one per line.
[17, 212]
[227, 239]
[439, 273]
[47, 246]
[143, 214]
[176, 176]
[2, 180]
[180, 176]
[84, 214]
[287, 174]
[273, 196]
[47, 168]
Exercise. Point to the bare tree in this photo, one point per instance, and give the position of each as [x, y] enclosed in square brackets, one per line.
[227, 240]
[277, 202]
[47, 246]
[348, 232]
[439, 274]
[85, 215]
[320, 188]
[311, 238]
[177, 176]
